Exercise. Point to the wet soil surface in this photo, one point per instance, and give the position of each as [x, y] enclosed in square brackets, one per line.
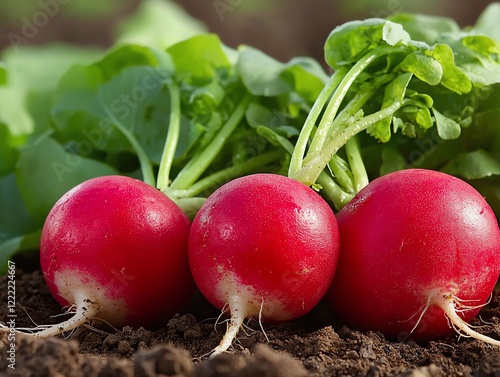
[315, 345]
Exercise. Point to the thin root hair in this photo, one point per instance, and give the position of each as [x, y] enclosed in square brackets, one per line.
[260, 320]
[222, 312]
[424, 310]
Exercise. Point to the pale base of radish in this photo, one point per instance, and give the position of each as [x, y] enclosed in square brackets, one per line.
[244, 302]
[88, 299]
[239, 312]
[113, 306]
[86, 309]
[449, 303]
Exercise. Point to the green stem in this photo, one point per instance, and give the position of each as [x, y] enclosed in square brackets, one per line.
[225, 175]
[146, 167]
[359, 177]
[345, 117]
[354, 105]
[338, 167]
[333, 192]
[174, 127]
[341, 173]
[358, 169]
[301, 144]
[190, 206]
[199, 163]
[311, 171]
[333, 106]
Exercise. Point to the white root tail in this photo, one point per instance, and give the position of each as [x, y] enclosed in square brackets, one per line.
[87, 308]
[238, 315]
[447, 303]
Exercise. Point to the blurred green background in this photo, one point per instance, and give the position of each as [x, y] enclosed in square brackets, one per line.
[281, 28]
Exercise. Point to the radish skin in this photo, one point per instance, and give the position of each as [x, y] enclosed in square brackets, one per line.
[265, 246]
[416, 246]
[115, 249]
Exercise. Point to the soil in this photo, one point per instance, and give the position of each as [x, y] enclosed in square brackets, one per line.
[315, 345]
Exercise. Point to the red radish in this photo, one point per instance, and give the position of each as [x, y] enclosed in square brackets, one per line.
[116, 249]
[265, 246]
[420, 251]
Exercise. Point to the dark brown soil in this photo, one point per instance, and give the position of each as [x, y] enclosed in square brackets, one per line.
[312, 346]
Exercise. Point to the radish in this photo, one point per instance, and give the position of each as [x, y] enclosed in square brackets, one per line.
[115, 248]
[420, 251]
[265, 246]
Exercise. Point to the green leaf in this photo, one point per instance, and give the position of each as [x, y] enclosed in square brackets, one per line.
[473, 165]
[86, 111]
[424, 67]
[13, 111]
[13, 246]
[259, 115]
[45, 171]
[75, 104]
[392, 160]
[425, 28]
[408, 129]
[347, 43]
[33, 75]
[422, 117]
[205, 99]
[275, 139]
[447, 128]
[485, 132]
[8, 149]
[481, 44]
[140, 102]
[199, 58]
[158, 23]
[423, 98]
[487, 23]
[306, 76]
[261, 74]
[14, 218]
[122, 57]
[452, 78]
[38, 68]
[3, 74]
[481, 67]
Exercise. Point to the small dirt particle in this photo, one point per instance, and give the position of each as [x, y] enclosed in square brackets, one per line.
[426, 371]
[352, 354]
[124, 348]
[163, 360]
[223, 365]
